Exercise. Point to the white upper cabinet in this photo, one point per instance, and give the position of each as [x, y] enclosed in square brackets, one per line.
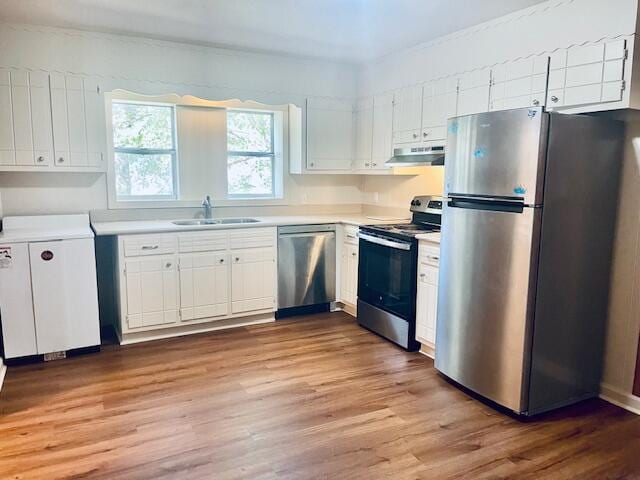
[407, 114]
[78, 122]
[473, 92]
[382, 149]
[363, 119]
[587, 75]
[439, 103]
[329, 134]
[521, 83]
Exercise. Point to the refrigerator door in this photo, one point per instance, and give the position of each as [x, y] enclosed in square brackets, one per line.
[498, 154]
[486, 296]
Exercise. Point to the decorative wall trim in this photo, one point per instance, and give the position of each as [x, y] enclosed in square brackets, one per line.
[621, 399]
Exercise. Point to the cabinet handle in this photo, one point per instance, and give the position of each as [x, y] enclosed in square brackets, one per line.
[222, 260]
[351, 236]
[237, 259]
[432, 257]
[40, 159]
[150, 247]
[366, 164]
[415, 135]
[353, 254]
[422, 275]
[425, 134]
[61, 160]
[374, 164]
[554, 99]
[168, 265]
[536, 102]
[312, 164]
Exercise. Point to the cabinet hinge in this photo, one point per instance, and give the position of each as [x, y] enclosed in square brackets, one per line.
[625, 56]
[623, 84]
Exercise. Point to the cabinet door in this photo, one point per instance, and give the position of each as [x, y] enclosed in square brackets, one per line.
[253, 279]
[473, 94]
[76, 121]
[204, 285]
[382, 149]
[59, 115]
[21, 113]
[438, 105]
[407, 114]
[7, 148]
[49, 290]
[152, 291]
[363, 118]
[329, 134]
[41, 118]
[95, 122]
[427, 302]
[349, 280]
[519, 84]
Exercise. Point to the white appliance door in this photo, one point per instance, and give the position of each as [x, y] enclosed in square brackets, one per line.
[497, 155]
[485, 298]
[49, 290]
[16, 306]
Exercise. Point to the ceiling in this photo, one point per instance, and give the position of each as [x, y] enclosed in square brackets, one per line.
[347, 30]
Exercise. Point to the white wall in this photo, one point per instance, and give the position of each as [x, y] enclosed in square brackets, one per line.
[155, 67]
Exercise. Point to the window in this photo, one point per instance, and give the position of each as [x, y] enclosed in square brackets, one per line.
[144, 151]
[251, 158]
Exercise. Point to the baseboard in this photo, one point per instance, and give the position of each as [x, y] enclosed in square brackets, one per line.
[428, 350]
[347, 308]
[3, 372]
[621, 399]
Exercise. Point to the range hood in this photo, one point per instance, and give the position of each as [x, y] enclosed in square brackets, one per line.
[416, 157]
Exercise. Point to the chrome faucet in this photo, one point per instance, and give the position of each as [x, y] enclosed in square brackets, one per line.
[207, 207]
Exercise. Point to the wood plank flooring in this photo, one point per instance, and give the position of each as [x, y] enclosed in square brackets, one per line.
[311, 398]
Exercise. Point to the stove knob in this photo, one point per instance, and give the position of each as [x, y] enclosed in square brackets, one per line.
[413, 203]
[418, 203]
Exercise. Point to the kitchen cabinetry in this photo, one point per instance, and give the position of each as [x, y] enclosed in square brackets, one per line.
[349, 268]
[518, 84]
[329, 134]
[439, 102]
[407, 115]
[363, 118]
[174, 280]
[427, 295]
[50, 122]
[382, 148]
[473, 92]
[587, 75]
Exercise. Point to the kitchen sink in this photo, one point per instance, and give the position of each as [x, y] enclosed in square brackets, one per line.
[212, 221]
[237, 220]
[205, 221]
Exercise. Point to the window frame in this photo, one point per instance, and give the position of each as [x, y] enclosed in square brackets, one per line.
[149, 151]
[271, 154]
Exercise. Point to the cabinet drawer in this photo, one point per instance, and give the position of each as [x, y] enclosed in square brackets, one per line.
[140, 245]
[429, 254]
[434, 133]
[203, 241]
[252, 238]
[253, 255]
[351, 235]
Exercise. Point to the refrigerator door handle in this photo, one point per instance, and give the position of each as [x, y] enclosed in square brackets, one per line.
[496, 204]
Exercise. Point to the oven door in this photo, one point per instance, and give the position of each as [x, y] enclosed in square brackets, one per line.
[387, 274]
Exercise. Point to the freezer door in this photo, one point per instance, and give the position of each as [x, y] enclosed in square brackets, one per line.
[497, 154]
[485, 299]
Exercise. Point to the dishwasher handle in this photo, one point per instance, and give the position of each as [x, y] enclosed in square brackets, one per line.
[307, 234]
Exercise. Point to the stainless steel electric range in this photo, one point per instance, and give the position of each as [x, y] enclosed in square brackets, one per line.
[387, 273]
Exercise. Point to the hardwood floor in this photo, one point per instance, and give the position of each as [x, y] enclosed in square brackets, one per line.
[316, 397]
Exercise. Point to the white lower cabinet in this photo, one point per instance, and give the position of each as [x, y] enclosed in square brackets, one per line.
[349, 267]
[174, 280]
[427, 294]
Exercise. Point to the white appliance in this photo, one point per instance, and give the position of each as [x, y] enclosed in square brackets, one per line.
[48, 291]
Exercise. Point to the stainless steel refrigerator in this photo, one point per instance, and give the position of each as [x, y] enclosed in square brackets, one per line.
[527, 232]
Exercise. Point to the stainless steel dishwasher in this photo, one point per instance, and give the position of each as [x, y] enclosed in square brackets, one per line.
[306, 266]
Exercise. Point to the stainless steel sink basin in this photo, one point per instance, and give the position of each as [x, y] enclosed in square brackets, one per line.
[237, 220]
[212, 221]
[204, 221]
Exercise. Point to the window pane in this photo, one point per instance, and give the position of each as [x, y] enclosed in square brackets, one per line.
[143, 175]
[249, 132]
[142, 126]
[250, 175]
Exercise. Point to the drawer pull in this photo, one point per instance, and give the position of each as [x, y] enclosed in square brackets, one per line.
[168, 265]
[422, 275]
[40, 159]
[237, 259]
[221, 260]
[150, 247]
[554, 99]
[433, 257]
[353, 254]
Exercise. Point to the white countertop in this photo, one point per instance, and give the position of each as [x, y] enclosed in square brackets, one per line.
[429, 237]
[42, 228]
[158, 226]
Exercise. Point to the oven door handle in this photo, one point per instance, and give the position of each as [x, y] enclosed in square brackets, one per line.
[385, 242]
